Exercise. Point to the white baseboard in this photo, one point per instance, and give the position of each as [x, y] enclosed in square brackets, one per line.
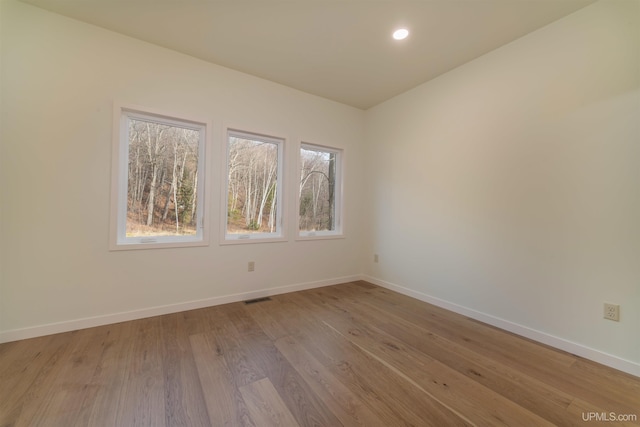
[89, 322]
[612, 361]
[559, 343]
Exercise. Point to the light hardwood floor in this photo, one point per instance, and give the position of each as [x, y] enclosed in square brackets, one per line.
[345, 355]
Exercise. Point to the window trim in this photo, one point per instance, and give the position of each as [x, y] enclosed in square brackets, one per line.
[339, 232]
[120, 176]
[281, 188]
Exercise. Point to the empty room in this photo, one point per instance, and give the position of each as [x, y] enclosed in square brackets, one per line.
[319, 213]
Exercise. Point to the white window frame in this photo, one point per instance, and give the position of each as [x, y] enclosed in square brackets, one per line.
[338, 195]
[120, 175]
[280, 234]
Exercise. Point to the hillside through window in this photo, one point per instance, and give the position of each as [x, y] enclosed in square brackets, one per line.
[254, 186]
[160, 180]
[320, 192]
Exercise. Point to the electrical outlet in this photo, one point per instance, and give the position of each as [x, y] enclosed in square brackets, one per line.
[612, 312]
[252, 266]
[375, 257]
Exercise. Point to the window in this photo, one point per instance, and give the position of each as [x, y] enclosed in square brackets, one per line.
[320, 191]
[158, 175]
[254, 187]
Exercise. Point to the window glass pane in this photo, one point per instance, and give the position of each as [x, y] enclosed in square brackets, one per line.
[162, 179]
[318, 179]
[253, 185]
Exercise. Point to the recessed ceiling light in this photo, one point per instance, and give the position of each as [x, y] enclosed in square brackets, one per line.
[400, 34]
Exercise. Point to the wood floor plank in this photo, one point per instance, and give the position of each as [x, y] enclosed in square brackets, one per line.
[519, 351]
[224, 402]
[560, 376]
[266, 406]
[65, 401]
[347, 406]
[472, 400]
[262, 315]
[300, 324]
[524, 390]
[365, 375]
[351, 354]
[109, 377]
[615, 378]
[306, 407]
[245, 366]
[462, 328]
[284, 318]
[555, 373]
[184, 400]
[469, 330]
[141, 398]
[196, 321]
[29, 368]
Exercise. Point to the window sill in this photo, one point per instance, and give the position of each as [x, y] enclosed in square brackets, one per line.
[320, 236]
[238, 240]
[150, 244]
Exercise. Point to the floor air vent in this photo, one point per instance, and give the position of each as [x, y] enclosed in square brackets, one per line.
[255, 300]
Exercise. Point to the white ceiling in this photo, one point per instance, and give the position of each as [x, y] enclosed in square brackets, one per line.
[337, 49]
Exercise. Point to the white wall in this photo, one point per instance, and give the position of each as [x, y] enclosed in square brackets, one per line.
[506, 189]
[509, 188]
[59, 80]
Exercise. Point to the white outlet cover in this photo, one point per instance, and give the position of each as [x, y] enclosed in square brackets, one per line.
[612, 311]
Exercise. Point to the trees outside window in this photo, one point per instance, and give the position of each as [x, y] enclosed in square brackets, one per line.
[320, 191]
[254, 187]
[158, 185]
[160, 170]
